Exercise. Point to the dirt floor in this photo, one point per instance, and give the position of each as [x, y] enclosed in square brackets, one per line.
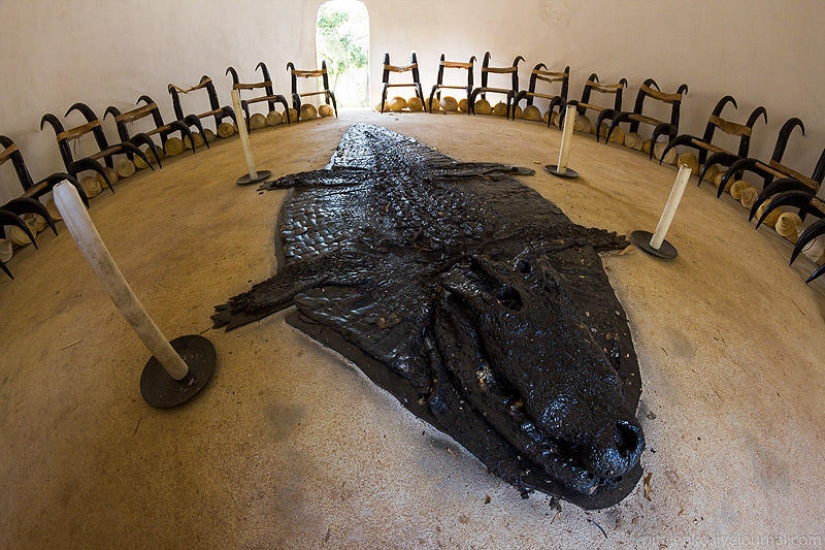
[290, 446]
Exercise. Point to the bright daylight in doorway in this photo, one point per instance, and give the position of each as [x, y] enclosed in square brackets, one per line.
[342, 39]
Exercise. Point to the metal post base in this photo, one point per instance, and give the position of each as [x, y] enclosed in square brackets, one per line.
[641, 239]
[247, 180]
[161, 390]
[554, 170]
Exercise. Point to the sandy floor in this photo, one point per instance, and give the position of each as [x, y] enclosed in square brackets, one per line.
[290, 446]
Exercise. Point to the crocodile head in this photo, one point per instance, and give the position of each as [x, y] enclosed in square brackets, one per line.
[539, 376]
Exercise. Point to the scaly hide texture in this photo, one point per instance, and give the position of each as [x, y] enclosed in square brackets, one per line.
[473, 300]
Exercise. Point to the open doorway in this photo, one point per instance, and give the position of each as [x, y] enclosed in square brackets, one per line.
[342, 37]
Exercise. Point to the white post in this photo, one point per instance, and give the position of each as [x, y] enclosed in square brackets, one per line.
[670, 208]
[88, 240]
[247, 149]
[566, 136]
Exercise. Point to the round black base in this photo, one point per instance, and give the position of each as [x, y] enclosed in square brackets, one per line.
[161, 390]
[554, 170]
[641, 239]
[247, 180]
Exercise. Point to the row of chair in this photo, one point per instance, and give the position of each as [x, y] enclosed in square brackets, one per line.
[28, 203]
[540, 75]
[129, 144]
[271, 98]
[794, 188]
[782, 185]
[544, 83]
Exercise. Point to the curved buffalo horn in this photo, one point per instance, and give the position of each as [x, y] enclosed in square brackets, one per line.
[819, 171]
[820, 270]
[810, 233]
[57, 177]
[720, 105]
[28, 205]
[651, 83]
[90, 164]
[54, 121]
[228, 111]
[796, 199]
[735, 168]
[517, 60]
[136, 151]
[803, 199]
[722, 157]
[111, 110]
[193, 120]
[621, 117]
[759, 111]
[146, 99]
[144, 138]
[779, 186]
[683, 89]
[234, 73]
[84, 109]
[181, 127]
[10, 218]
[261, 65]
[683, 139]
[784, 135]
[606, 113]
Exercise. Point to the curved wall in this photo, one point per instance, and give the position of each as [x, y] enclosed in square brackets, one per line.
[762, 52]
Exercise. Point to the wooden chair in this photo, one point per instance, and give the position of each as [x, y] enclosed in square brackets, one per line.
[484, 89]
[791, 189]
[329, 95]
[219, 113]
[777, 177]
[648, 89]
[150, 108]
[270, 97]
[105, 151]
[440, 85]
[774, 168]
[10, 214]
[593, 85]
[31, 189]
[540, 73]
[705, 144]
[411, 68]
[27, 203]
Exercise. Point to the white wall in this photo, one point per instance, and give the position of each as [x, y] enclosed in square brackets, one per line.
[763, 52]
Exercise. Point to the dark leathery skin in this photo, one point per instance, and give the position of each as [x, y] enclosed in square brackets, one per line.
[472, 299]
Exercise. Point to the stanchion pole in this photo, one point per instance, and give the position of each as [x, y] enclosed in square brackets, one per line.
[170, 379]
[655, 244]
[561, 169]
[253, 175]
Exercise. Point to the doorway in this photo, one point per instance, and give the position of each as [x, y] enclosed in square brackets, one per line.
[342, 38]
